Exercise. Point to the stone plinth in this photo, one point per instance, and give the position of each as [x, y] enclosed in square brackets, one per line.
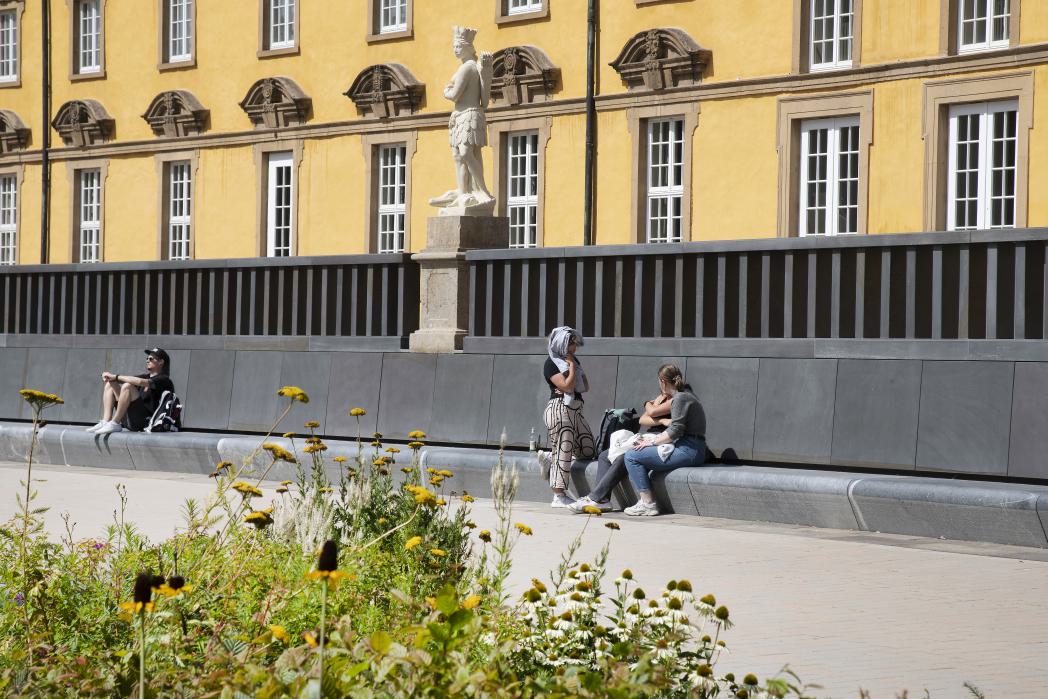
[444, 316]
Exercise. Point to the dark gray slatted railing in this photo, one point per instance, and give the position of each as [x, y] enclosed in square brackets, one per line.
[943, 285]
[339, 296]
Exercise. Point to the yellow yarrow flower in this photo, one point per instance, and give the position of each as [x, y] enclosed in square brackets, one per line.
[358, 412]
[466, 497]
[39, 399]
[340, 459]
[416, 434]
[294, 393]
[312, 425]
[485, 535]
[286, 482]
[260, 519]
[415, 445]
[471, 602]
[523, 529]
[279, 453]
[445, 473]
[412, 542]
[392, 450]
[592, 510]
[423, 496]
[438, 552]
[314, 448]
[246, 489]
[288, 435]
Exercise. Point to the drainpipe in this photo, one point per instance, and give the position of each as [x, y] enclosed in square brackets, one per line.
[45, 159]
[591, 122]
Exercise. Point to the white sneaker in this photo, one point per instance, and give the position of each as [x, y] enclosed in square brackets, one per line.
[545, 462]
[642, 510]
[109, 428]
[97, 426]
[584, 501]
[562, 500]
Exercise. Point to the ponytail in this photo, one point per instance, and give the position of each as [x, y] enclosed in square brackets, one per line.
[672, 375]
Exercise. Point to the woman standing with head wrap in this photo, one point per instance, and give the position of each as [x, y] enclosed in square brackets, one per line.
[570, 435]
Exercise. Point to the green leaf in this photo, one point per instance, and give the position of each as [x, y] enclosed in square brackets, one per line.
[447, 600]
[459, 619]
[356, 670]
[380, 642]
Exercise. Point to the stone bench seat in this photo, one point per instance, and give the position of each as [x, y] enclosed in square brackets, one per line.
[1005, 513]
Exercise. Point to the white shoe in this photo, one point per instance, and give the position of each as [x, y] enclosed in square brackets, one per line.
[562, 500]
[585, 501]
[545, 461]
[109, 428]
[642, 510]
[97, 426]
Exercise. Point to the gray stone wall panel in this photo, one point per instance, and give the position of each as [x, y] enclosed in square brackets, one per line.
[407, 393]
[638, 379]
[310, 371]
[463, 398]
[45, 371]
[256, 378]
[1028, 448]
[964, 417]
[355, 383]
[208, 390]
[727, 389]
[13, 379]
[875, 412]
[518, 396]
[82, 386]
[795, 409]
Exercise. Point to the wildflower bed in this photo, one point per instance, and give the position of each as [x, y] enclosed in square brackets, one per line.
[377, 585]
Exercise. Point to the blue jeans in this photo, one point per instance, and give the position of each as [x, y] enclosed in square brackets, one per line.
[687, 451]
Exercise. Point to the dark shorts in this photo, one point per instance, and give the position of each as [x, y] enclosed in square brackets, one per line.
[138, 415]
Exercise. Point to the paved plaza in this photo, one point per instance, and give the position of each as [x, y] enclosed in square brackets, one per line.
[844, 609]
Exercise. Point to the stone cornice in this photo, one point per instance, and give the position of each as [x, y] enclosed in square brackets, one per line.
[14, 134]
[276, 102]
[386, 90]
[176, 113]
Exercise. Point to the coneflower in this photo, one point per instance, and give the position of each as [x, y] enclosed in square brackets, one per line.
[327, 570]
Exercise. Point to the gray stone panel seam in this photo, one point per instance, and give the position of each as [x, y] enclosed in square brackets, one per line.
[1011, 431]
[855, 506]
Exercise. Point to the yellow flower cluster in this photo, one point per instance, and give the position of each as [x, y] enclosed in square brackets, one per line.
[523, 529]
[358, 412]
[412, 542]
[416, 434]
[312, 425]
[314, 448]
[279, 453]
[423, 496]
[294, 393]
[415, 445]
[246, 489]
[38, 399]
[260, 518]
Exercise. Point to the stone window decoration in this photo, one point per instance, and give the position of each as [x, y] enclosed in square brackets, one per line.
[14, 135]
[83, 123]
[521, 75]
[657, 59]
[386, 90]
[176, 113]
[274, 103]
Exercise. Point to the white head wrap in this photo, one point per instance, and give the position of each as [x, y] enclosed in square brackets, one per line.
[559, 339]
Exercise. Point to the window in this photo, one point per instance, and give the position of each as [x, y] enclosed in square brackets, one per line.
[8, 46]
[831, 34]
[392, 197]
[178, 208]
[89, 37]
[983, 25]
[280, 24]
[981, 189]
[829, 186]
[518, 7]
[89, 215]
[665, 190]
[522, 188]
[179, 22]
[393, 16]
[8, 219]
[280, 204]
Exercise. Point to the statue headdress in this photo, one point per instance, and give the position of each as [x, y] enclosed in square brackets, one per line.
[464, 35]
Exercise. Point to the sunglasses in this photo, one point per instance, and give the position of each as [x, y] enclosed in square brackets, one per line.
[151, 359]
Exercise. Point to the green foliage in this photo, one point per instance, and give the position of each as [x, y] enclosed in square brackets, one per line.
[412, 609]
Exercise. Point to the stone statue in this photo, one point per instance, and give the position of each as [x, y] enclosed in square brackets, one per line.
[470, 90]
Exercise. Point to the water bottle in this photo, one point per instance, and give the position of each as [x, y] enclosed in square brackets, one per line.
[532, 443]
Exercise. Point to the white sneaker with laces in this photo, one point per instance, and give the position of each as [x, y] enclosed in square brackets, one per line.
[642, 510]
[97, 426]
[586, 500]
[562, 500]
[109, 428]
[545, 462]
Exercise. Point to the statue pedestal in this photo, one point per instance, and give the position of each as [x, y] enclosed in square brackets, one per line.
[444, 282]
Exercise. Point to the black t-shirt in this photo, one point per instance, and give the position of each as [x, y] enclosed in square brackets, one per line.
[549, 370]
[158, 383]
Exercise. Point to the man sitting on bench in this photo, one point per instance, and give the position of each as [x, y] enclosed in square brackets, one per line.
[131, 399]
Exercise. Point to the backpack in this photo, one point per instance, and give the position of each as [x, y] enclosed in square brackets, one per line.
[616, 419]
[168, 414]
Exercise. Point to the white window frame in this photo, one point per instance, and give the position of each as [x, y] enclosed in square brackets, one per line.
[968, 15]
[8, 46]
[397, 12]
[837, 22]
[179, 209]
[280, 212]
[89, 215]
[664, 179]
[523, 7]
[832, 176]
[282, 16]
[179, 31]
[8, 218]
[985, 168]
[522, 188]
[89, 37]
[391, 196]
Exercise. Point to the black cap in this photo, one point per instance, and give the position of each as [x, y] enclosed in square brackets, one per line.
[161, 354]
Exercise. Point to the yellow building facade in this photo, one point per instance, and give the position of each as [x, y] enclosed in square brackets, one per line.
[198, 129]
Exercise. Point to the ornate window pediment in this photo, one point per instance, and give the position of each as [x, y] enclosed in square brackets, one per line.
[276, 102]
[83, 123]
[385, 90]
[523, 74]
[14, 135]
[660, 58]
[176, 113]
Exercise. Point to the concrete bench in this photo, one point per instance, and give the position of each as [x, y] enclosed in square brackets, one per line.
[1005, 513]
